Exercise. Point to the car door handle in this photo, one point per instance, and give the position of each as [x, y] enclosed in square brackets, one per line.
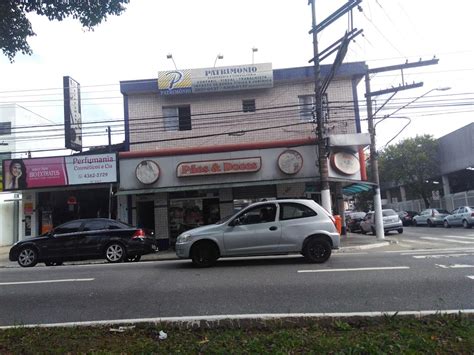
[273, 228]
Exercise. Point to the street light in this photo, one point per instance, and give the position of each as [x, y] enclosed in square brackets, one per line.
[254, 49]
[170, 56]
[219, 56]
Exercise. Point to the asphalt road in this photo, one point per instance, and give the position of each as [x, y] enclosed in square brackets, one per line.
[373, 280]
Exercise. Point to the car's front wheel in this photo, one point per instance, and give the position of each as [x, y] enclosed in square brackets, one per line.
[415, 223]
[204, 254]
[317, 251]
[446, 224]
[466, 224]
[28, 257]
[115, 253]
[400, 230]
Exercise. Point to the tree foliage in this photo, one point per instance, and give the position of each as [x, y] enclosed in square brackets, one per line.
[15, 27]
[411, 163]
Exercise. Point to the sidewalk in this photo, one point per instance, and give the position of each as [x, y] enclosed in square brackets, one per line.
[349, 242]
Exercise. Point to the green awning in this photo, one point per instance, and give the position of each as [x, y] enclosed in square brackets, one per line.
[356, 188]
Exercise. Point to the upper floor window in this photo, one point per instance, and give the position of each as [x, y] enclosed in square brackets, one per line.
[248, 105]
[5, 128]
[177, 118]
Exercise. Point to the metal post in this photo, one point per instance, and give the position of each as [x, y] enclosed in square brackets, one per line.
[110, 186]
[379, 231]
[323, 163]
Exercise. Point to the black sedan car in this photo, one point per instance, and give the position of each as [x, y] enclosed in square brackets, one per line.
[82, 239]
[407, 217]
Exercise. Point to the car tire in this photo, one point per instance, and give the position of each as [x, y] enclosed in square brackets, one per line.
[27, 257]
[446, 224]
[317, 251]
[133, 258]
[204, 254]
[400, 230]
[466, 224]
[430, 224]
[115, 253]
[53, 263]
[372, 229]
[415, 223]
[363, 231]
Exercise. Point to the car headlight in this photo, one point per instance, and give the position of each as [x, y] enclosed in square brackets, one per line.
[183, 238]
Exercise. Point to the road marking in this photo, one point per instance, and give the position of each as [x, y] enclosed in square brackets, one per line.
[458, 237]
[417, 242]
[439, 256]
[196, 320]
[416, 251]
[359, 269]
[449, 241]
[43, 282]
[455, 266]
[471, 277]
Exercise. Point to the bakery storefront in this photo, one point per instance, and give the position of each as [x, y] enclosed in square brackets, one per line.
[173, 190]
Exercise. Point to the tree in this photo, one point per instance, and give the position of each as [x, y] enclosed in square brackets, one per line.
[15, 27]
[412, 163]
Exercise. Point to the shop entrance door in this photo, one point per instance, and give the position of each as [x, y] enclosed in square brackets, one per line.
[146, 214]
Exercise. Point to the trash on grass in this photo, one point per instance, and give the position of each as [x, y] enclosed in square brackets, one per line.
[163, 335]
[121, 329]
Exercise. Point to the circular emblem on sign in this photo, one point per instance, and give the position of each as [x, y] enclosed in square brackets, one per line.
[147, 172]
[345, 163]
[290, 162]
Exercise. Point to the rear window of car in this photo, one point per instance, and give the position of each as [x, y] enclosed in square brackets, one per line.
[357, 215]
[95, 225]
[386, 213]
[295, 210]
[443, 211]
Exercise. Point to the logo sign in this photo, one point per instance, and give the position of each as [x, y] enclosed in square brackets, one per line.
[241, 77]
[290, 162]
[345, 163]
[72, 114]
[147, 172]
[215, 167]
[24, 174]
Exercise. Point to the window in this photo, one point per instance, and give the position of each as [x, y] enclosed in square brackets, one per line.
[69, 227]
[248, 105]
[95, 225]
[177, 118]
[259, 214]
[295, 210]
[5, 128]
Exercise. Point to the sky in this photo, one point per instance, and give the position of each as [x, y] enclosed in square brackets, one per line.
[135, 46]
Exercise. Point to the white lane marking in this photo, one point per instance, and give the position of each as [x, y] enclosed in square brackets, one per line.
[438, 256]
[265, 316]
[458, 237]
[359, 269]
[448, 241]
[418, 242]
[471, 277]
[416, 251]
[43, 282]
[455, 266]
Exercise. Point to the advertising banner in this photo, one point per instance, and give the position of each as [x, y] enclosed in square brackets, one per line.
[72, 114]
[215, 167]
[205, 80]
[23, 174]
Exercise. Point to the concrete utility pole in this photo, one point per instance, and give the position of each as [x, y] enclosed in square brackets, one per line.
[320, 131]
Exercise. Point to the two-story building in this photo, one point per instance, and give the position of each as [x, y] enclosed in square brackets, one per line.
[203, 143]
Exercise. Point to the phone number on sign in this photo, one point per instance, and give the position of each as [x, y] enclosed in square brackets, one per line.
[93, 175]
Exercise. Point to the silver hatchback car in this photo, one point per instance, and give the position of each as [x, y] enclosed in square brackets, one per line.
[264, 228]
[462, 216]
[391, 222]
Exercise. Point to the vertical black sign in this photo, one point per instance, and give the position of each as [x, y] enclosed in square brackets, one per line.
[72, 114]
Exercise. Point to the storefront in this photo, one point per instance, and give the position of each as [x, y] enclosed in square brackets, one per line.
[173, 190]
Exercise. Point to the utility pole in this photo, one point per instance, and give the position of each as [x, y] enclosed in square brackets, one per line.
[322, 154]
[379, 230]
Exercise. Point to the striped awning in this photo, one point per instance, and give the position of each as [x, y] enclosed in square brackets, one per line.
[356, 188]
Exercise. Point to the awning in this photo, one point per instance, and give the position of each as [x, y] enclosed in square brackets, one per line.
[357, 188]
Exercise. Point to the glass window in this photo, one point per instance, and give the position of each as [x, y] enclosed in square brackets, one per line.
[248, 105]
[295, 210]
[68, 227]
[177, 118]
[95, 225]
[5, 128]
[259, 214]
[388, 213]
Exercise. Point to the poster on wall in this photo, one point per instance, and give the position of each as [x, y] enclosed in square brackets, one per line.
[24, 174]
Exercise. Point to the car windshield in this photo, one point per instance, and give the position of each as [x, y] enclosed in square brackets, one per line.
[386, 213]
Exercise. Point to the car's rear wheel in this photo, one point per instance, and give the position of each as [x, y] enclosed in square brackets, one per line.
[133, 258]
[430, 224]
[317, 251]
[115, 253]
[446, 224]
[400, 230]
[415, 223]
[466, 224]
[28, 257]
[53, 263]
[204, 254]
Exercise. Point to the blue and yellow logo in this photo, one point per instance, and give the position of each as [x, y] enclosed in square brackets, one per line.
[174, 82]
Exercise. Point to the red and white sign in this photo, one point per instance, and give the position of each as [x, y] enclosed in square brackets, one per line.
[215, 167]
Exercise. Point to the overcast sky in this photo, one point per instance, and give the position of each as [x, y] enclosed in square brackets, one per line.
[135, 45]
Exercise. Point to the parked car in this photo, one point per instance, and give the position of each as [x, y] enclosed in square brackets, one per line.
[407, 217]
[353, 220]
[264, 228]
[462, 216]
[431, 217]
[391, 222]
[81, 239]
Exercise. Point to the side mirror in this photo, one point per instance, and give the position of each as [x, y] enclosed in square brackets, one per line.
[235, 222]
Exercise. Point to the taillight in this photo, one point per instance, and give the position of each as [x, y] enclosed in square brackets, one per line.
[139, 234]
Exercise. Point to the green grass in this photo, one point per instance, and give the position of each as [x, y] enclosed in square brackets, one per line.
[387, 335]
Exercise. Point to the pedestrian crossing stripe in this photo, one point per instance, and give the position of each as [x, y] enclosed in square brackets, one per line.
[447, 240]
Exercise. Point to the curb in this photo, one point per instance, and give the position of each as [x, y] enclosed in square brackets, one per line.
[366, 246]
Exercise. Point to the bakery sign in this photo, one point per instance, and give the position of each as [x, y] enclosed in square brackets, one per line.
[216, 167]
